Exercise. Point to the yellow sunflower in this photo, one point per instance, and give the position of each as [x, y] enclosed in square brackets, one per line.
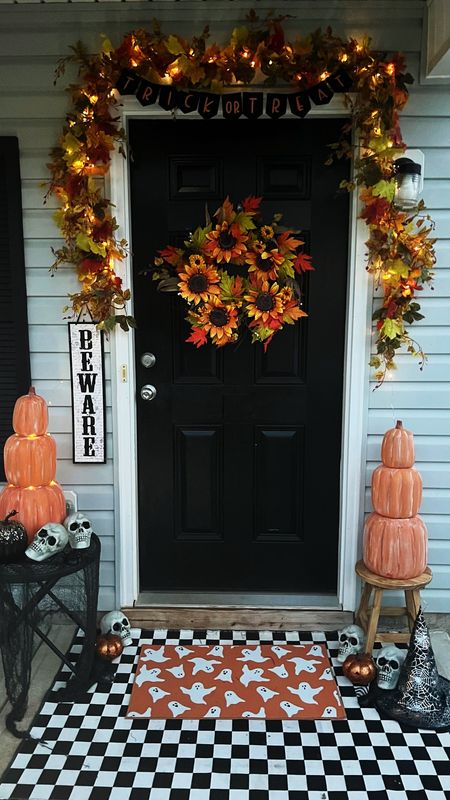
[198, 284]
[265, 304]
[264, 264]
[220, 321]
[197, 261]
[267, 232]
[226, 243]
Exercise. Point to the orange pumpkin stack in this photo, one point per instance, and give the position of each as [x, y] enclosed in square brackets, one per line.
[30, 468]
[395, 537]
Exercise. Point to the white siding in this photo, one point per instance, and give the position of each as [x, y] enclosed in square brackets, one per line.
[31, 41]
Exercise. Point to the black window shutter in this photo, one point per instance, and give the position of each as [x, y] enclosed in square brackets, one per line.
[14, 347]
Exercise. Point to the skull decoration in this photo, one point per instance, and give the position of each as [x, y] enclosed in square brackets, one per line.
[80, 530]
[49, 540]
[351, 640]
[389, 662]
[116, 622]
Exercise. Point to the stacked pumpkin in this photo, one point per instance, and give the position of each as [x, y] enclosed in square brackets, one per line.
[30, 468]
[395, 537]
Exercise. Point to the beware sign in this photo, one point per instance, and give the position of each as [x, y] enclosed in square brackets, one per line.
[88, 393]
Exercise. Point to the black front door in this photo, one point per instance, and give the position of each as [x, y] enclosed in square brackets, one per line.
[239, 452]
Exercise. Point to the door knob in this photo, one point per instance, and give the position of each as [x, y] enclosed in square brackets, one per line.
[148, 392]
[148, 360]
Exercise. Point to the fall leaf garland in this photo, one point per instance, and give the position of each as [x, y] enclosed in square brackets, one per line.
[400, 252]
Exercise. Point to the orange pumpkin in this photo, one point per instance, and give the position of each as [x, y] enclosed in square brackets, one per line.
[30, 461]
[35, 505]
[395, 548]
[360, 669]
[397, 449]
[396, 492]
[108, 646]
[30, 414]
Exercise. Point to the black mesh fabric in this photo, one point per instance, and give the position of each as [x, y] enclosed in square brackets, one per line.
[30, 593]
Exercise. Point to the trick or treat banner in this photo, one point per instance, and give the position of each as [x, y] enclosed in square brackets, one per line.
[233, 104]
[88, 393]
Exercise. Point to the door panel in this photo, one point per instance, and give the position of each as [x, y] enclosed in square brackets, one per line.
[239, 452]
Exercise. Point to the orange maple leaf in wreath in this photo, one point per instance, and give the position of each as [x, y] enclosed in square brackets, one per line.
[251, 203]
[303, 263]
[288, 242]
[197, 337]
[171, 254]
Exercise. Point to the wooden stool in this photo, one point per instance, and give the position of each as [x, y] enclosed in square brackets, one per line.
[367, 616]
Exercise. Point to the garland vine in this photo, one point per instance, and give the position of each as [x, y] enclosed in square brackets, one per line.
[400, 247]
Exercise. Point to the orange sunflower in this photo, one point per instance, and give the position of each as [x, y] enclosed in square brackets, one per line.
[226, 243]
[198, 283]
[265, 305]
[220, 321]
[264, 263]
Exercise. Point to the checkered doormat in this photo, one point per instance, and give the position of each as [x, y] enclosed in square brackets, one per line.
[90, 751]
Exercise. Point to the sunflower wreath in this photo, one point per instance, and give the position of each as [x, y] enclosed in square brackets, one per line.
[236, 273]
[400, 247]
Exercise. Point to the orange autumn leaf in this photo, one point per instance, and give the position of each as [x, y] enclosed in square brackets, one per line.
[197, 337]
[251, 204]
[170, 254]
[303, 263]
[226, 211]
[288, 242]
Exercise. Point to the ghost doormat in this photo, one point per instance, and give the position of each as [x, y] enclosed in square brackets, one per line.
[235, 681]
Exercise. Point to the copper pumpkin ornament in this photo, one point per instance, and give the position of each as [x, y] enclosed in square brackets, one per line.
[360, 669]
[108, 646]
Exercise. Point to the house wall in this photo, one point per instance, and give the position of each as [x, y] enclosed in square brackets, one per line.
[32, 38]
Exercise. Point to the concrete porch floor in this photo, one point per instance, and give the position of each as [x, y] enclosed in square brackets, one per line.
[46, 664]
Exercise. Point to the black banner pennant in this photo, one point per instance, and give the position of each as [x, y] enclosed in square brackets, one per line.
[127, 82]
[167, 97]
[208, 104]
[147, 93]
[300, 103]
[340, 81]
[187, 101]
[321, 93]
[252, 104]
[275, 105]
[232, 105]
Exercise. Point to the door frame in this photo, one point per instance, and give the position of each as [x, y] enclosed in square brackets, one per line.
[355, 385]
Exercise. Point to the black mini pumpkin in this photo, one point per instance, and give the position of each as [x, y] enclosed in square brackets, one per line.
[13, 539]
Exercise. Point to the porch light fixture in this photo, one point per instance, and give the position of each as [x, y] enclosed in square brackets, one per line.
[409, 181]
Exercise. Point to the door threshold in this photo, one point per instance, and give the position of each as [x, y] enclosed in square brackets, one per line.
[254, 600]
[243, 616]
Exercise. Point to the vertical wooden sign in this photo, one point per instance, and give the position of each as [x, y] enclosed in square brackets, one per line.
[88, 393]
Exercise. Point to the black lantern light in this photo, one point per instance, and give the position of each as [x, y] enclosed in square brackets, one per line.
[408, 179]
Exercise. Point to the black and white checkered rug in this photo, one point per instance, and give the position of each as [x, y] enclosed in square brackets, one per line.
[89, 751]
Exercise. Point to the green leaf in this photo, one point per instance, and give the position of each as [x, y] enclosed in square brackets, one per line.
[398, 267]
[384, 189]
[245, 221]
[198, 238]
[84, 242]
[391, 329]
[239, 36]
[174, 45]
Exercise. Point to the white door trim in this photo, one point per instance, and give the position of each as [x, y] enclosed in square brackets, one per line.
[355, 401]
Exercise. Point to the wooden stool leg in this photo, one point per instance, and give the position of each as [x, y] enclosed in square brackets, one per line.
[373, 623]
[362, 615]
[410, 607]
[415, 593]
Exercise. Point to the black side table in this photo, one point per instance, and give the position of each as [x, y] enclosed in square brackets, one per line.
[29, 591]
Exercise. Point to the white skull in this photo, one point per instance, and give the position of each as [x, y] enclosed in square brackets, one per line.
[389, 662]
[351, 640]
[50, 539]
[116, 622]
[80, 530]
